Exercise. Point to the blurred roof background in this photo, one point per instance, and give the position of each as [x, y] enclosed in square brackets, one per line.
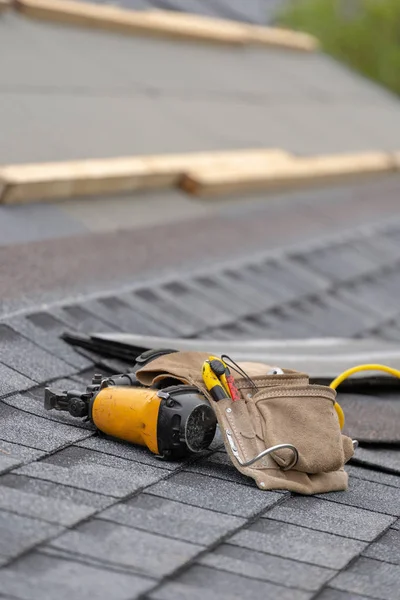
[74, 93]
[259, 12]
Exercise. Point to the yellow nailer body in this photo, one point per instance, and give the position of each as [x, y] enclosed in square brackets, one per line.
[129, 414]
[171, 422]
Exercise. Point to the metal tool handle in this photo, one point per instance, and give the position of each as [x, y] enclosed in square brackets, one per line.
[266, 452]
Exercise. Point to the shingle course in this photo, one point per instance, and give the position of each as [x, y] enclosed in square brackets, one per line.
[39, 576]
[55, 491]
[200, 581]
[369, 495]
[373, 578]
[172, 519]
[110, 543]
[299, 543]
[330, 594]
[213, 494]
[40, 507]
[20, 533]
[97, 478]
[12, 381]
[45, 330]
[386, 548]
[386, 458]
[274, 569]
[126, 451]
[323, 515]
[30, 360]
[372, 475]
[36, 432]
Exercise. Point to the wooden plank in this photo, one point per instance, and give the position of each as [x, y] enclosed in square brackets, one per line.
[164, 23]
[253, 34]
[279, 173]
[47, 181]
[282, 38]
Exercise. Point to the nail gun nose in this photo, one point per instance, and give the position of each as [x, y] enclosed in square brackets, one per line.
[52, 398]
[71, 402]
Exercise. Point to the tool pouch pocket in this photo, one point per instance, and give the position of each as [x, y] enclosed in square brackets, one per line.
[294, 414]
[306, 418]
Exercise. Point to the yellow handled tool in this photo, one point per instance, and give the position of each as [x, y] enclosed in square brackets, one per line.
[220, 370]
[171, 422]
[213, 384]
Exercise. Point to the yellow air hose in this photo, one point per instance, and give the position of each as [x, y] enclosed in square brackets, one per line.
[368, 367]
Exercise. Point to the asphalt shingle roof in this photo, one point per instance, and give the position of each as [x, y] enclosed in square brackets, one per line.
[93, 517]
[85, 517]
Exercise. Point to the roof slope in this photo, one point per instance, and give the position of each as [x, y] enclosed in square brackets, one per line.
[70, 93]
[88, 517]
[84, 517]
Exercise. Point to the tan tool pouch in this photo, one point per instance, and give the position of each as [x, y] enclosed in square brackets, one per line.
[278, 410]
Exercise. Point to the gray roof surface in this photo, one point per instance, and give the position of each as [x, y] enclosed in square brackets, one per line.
[85, 517]
[86, 94]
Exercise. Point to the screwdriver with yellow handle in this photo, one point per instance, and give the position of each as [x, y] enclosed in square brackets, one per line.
[213, 384]
[219, 368]
[223, 372]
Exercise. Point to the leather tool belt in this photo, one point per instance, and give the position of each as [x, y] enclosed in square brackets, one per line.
[283, 431]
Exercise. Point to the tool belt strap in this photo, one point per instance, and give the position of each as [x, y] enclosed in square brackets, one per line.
[282, 410]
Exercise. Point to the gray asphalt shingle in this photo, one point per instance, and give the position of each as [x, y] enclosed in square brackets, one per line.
[97, 478]
[41, 507]
[371, 475]
[126, 451]
[218, 495]
[36, 432]
[220, 466]
[55, 491]
[200, 581]
[38, 576]
[45, 330]
[371, 419]
[75, 455]
[274, 569]
[298, 543]
[331, 517]
[7, 463]
[369, 495]
[330, 594]
[172, 519]
[388, 459]
[19, 533]
[79, 318]
[21, 354]
[386, 548]
[373, 578]
[110, 543]
[20, 452]
[12, 381]
[121, 312]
